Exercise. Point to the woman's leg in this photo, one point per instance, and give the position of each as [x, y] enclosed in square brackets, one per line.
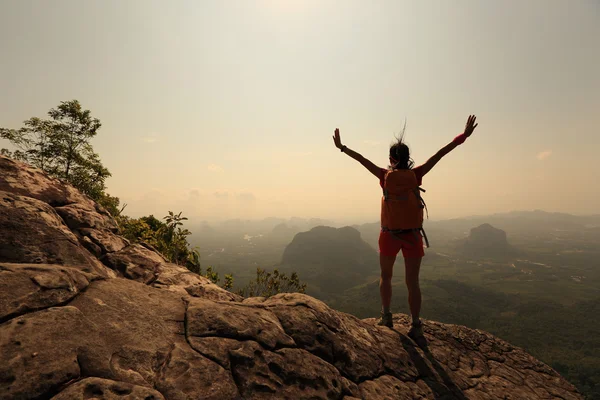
[385, 281]
[412, 266]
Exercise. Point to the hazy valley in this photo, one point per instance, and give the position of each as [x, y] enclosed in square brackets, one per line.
[532, 278]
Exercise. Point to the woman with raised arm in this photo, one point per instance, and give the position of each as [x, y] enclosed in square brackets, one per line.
[402, 218]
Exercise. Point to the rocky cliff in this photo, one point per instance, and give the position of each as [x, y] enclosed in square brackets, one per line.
[85, 314]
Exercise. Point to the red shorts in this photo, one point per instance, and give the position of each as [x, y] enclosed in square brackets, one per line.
[411, 244]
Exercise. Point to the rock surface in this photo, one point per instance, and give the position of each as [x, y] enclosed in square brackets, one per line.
[85, 314]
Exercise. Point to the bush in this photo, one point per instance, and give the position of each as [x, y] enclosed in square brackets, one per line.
[268, 284]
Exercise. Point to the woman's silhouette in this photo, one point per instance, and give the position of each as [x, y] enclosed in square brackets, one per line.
[402, 218]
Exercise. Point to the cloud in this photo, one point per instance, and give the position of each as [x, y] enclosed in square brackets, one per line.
[544, 154]
[288, 154]
[372, 143]
[215, 168]
[194, 194]
[151, 138]
[153, 195]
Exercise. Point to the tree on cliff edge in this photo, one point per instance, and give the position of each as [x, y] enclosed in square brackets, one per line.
[60, 146]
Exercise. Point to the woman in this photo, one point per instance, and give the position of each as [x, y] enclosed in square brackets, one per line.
[402, 218]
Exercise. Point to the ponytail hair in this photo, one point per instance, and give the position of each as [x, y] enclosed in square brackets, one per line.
[400, 153]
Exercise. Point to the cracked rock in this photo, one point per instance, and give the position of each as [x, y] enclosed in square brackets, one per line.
[86, 315]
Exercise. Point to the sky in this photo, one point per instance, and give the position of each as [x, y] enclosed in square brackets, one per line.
[225, 109]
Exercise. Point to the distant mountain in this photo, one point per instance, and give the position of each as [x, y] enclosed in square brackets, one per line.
[485, 241]
[285, 229]
[522, 222]
[283, 233]
[369, 233]
[330, 259]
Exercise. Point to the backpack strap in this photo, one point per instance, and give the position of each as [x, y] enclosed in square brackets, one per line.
[388, 196]
[398, 232]
[424, 237]
[386, 193]
[418, 191]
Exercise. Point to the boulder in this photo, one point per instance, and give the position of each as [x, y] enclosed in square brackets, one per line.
[32, 232]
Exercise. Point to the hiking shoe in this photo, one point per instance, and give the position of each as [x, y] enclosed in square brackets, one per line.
[416, 330]
[386, 320]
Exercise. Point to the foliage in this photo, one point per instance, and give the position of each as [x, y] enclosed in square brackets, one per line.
[111, 203]
[60, 146]
[228, 284]
[168, 237]
[268, 284]
[213, 276]
[171, 241]
[174, 238]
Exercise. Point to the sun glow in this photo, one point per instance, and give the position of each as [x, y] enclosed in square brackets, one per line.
[289, 6]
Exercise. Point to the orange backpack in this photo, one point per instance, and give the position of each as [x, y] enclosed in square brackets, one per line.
[401, 204]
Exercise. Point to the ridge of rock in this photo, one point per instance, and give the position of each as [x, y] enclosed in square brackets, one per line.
[86, 314]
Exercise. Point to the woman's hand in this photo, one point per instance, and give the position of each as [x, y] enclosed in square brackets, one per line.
[374, 169]
[336, 139]
[470, 126]
[460, 139]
